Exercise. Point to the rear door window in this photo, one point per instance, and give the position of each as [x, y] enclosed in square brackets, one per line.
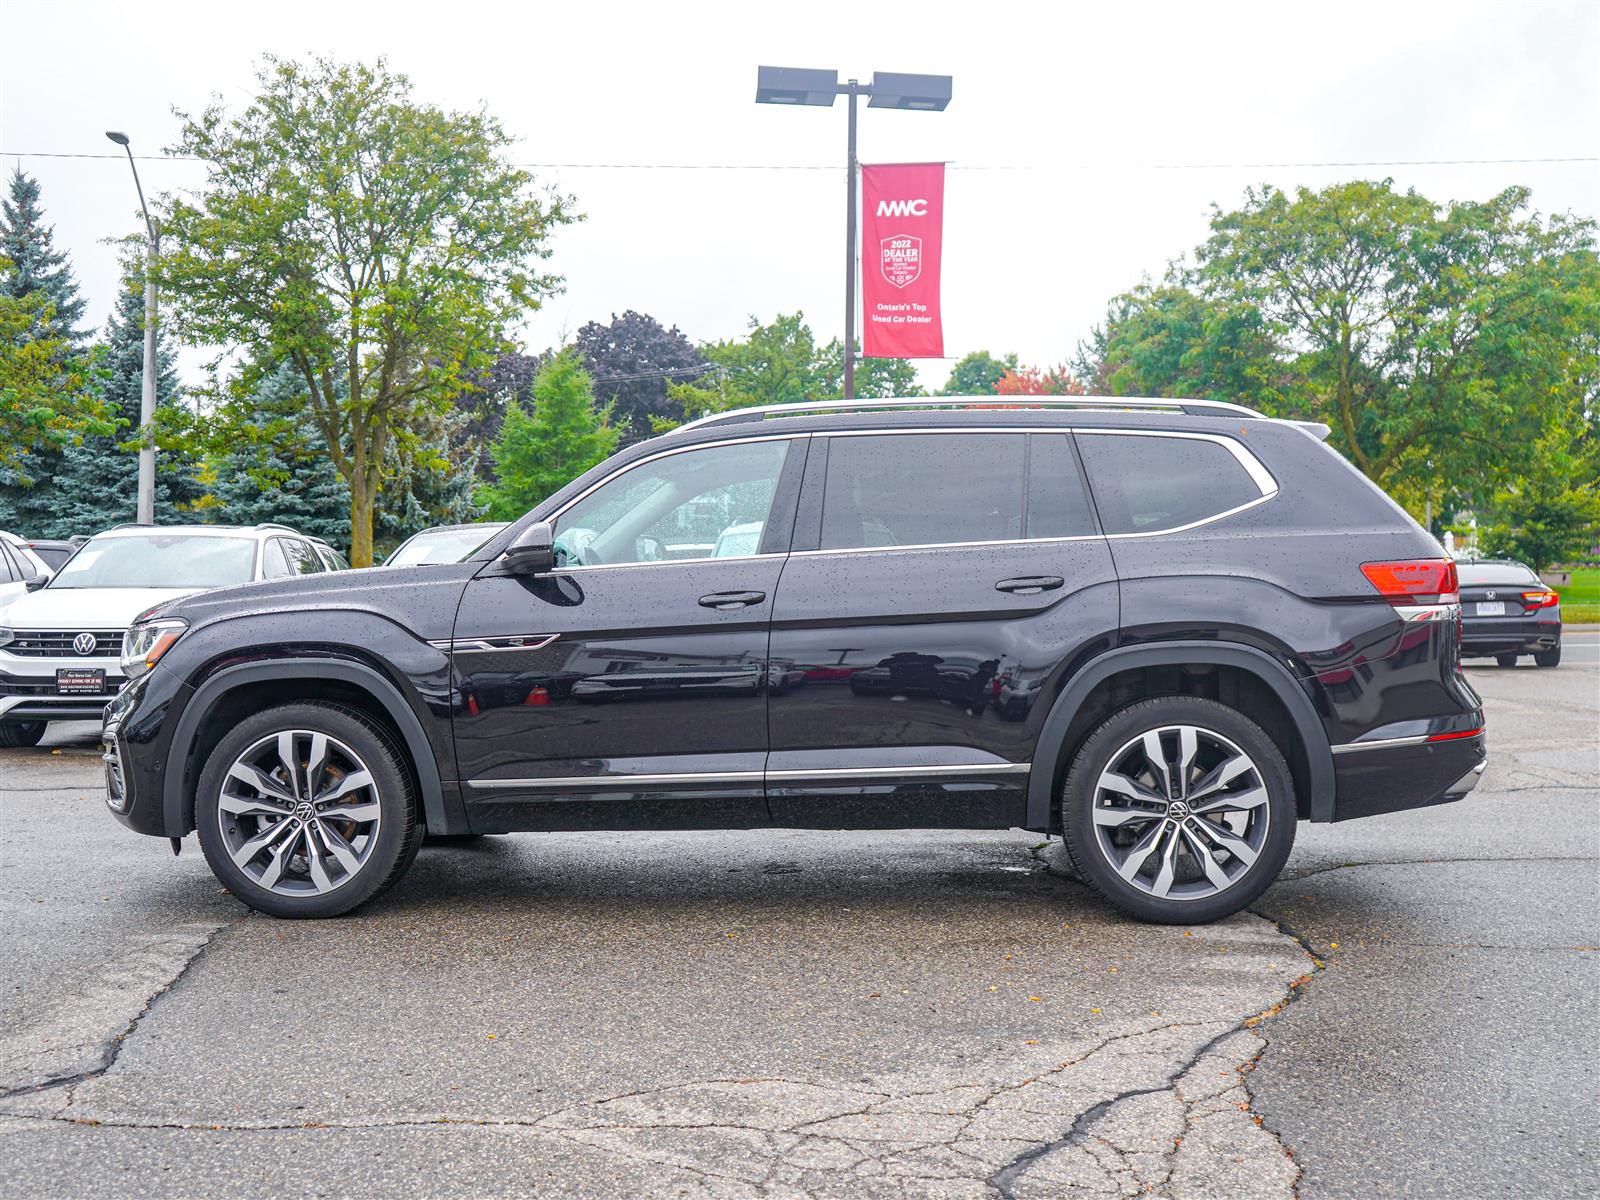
[1145, 483]
[923, 489]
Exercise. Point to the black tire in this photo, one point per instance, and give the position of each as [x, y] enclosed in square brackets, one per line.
[1548, 658]
[16, 734]
[399, 831]
[1099, 752]
[1506, 660]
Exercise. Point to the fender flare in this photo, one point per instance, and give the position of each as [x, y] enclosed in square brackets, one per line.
[177, 811]
[1041, 780]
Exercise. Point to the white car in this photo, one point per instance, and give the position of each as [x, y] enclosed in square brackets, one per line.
[18, 566]
[61, 644]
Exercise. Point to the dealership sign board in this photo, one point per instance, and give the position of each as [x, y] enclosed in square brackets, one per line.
[902, 218]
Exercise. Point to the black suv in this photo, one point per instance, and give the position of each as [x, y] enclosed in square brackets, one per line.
[1166, 630]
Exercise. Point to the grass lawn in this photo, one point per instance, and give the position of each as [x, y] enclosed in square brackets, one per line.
[1580, 600]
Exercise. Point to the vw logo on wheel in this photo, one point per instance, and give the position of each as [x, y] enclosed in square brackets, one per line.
[84, 643]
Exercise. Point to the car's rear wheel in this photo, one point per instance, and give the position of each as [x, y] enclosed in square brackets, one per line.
[1179, 810]
[1506, 660]
[14, 734]
[1548, 658]
[307, 810]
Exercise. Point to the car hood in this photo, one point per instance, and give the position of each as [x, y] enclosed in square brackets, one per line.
[82, 608]
[365, 589]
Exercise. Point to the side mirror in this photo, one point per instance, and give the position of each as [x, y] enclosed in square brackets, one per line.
[533, 552]
[37, 582]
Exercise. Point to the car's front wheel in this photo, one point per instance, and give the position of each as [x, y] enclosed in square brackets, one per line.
[1179, 810]
[307, 810]
[15, 734]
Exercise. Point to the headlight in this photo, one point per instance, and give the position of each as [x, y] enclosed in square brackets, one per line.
[6, 637]
[143, 645]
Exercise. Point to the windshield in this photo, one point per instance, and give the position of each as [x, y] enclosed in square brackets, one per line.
[442, 546]
[175, 560]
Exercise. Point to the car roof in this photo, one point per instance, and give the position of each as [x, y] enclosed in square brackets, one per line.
[464, 525]
[254, 531]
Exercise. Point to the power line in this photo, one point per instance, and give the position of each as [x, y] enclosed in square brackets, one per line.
[1158, 166]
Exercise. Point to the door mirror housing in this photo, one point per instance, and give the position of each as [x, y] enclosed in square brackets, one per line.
[37, 582]
[533, 552]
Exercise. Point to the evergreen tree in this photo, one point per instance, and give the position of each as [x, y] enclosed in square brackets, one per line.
[560, 439]
[37, 266]
[280, 469]
[95, 484]
[431, 476]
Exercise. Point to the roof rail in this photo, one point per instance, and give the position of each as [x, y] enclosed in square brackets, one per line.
[276, 525]
[1193, 408]
[132, 525]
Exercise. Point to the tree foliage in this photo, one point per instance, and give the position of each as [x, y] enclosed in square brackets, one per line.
[1434, 339]
[542, 449]
[977, 374]
[1036, 381]
[377, 245]
[37, 267]
[632, 360]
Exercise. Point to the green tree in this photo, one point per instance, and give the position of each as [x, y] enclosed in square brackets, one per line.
[274, 467]
[378, 245]
[433, 477]
[1435, 340]
[977, 373]
[36, 265]
[95, 483]
[1553, 515]
[542, 450]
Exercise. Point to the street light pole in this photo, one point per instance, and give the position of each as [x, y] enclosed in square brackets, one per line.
[145, 512]
[850, 251]
[804, 85]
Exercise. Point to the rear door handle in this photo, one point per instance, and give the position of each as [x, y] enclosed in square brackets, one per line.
[728, 601]
[1028, 585]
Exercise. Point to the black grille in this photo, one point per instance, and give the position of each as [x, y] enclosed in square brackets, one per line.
[57, 643]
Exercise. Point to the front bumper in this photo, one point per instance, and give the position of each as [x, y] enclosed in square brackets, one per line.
[28, 689]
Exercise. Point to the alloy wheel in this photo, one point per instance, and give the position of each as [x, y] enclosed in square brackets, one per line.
[299, 813]
[1181, 813]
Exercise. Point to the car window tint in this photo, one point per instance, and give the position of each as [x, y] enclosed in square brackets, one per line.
[1476, 573]
[922, 489]
[703, 503]
[1143, 484]
[274, 564]
[1057, 505]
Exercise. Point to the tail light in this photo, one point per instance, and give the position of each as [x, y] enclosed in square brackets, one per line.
[1540, 599]
[1415, 581]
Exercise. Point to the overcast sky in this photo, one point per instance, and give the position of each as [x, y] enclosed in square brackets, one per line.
[1064, 122]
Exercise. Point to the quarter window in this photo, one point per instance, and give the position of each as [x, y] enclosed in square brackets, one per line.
[708, 503]
[1145, 483]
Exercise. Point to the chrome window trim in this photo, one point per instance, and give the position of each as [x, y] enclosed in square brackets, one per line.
[1259, 475]
[602, 782]
[1382, 744]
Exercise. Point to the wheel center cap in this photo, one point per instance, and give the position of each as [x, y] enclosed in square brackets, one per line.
[303, 811]
[1178, 810]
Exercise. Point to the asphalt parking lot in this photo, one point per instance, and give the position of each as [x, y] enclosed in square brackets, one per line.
[1412, 1010]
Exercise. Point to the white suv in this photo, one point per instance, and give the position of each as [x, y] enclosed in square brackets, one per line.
[61, 644]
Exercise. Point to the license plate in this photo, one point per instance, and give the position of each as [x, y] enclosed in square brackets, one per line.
[1491, 608]
[80, 681]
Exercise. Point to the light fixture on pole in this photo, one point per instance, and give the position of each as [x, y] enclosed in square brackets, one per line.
[145, 512]
[796, 85]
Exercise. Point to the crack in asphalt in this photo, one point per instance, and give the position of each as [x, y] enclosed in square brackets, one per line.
[1312, 872]
[110, 1051]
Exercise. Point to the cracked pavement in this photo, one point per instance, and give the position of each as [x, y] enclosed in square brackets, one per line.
[792, 1014]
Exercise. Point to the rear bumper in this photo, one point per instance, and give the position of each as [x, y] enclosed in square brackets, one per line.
[1488, 635]
[1405, 773]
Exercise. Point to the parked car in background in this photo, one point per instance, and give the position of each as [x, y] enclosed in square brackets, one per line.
[331, 558]
[61, 645]
[1507, 611]
[19, 566]
[443, 544]
[52, 552]
[1205, 624]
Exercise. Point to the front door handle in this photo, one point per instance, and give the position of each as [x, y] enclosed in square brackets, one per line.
[1028, 585]
[728, 601]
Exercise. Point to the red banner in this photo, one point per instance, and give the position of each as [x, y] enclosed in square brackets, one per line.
[902, 223]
